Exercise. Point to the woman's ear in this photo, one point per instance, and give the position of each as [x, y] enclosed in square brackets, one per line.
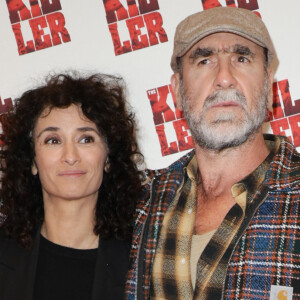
[34, 169]
[107, 165]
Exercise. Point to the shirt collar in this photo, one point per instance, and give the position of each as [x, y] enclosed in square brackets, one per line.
[250, 183]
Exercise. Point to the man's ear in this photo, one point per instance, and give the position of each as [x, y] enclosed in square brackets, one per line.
[175, 82]
[34, 169]
[270, 75]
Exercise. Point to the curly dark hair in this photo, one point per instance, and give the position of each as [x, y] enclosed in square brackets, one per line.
[102, 100]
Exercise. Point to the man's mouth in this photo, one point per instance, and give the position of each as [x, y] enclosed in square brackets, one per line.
[225, 104]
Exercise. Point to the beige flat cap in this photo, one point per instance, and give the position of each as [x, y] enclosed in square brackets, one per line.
[240, 21]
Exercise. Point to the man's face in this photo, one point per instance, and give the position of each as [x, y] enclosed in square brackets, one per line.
[223, 90]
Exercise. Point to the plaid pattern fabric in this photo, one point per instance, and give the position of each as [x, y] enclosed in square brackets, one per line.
[159, 192]
[149, 217]
[268, 253]
[213, 263]
[171, 269]
[264, 251]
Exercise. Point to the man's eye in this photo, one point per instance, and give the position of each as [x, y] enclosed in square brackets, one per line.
[204, 61]
[243, 59]
[87, 139]
[52, 141]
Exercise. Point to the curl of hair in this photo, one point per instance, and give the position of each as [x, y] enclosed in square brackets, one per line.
[102, 100]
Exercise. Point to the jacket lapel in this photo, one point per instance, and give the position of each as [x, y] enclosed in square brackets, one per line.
[99, 277]
[23, 263]
[111, 268]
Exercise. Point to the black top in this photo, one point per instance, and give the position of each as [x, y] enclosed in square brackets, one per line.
[19, 269]
[64, 273]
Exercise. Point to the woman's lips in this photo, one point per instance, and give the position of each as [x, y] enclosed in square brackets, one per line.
[71, 173]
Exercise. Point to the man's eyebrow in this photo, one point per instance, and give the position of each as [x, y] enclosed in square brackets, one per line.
[206, 52]
[242, 50]
[200, 52]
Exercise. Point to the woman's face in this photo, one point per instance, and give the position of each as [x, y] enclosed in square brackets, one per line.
[70, 154]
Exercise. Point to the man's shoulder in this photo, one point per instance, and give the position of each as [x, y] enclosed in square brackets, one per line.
[167, 179]
[175, 167]
[284, 169]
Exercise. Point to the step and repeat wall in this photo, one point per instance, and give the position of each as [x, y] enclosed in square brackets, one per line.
[134, 39]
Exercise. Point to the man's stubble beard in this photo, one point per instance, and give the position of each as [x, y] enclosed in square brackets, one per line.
[210, 135]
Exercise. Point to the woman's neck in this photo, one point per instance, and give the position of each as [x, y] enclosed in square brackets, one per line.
[70, 224]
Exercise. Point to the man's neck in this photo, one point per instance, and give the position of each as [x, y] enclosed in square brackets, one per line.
[218, 172]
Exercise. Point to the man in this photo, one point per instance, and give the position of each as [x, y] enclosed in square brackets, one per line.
[223, 221]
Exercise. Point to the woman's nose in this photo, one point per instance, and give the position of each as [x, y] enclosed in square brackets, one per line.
[70, 153]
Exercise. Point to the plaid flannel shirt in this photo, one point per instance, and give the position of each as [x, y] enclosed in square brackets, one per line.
[171, 277]
[266, 249]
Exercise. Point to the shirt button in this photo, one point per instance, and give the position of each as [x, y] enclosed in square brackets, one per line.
[182, 261]
[190, 210]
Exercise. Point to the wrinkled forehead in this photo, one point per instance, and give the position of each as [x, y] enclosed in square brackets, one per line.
[225, 42]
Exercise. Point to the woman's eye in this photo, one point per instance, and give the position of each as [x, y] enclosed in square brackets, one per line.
[52, 141]
[87, 139]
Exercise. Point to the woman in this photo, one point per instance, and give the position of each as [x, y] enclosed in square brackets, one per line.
[69, 189]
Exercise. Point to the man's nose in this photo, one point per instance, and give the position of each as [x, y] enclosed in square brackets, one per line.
[225, 77]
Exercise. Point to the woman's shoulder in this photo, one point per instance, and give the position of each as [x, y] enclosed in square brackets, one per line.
[115, 255]
[3, 238]
[115, 251]
[114, 245]
[5, 241]
[9, 246]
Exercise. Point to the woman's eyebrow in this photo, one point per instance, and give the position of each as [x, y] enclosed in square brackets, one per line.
[50, 128]
[81, 129]
[87, 128]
